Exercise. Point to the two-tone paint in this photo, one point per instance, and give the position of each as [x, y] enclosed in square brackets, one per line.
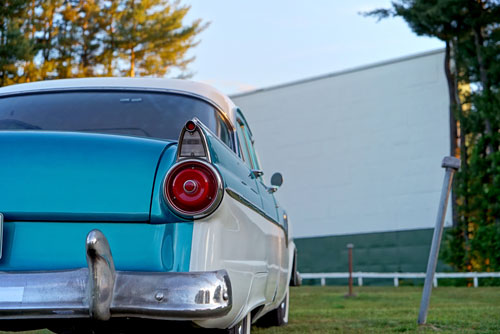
[56, 187]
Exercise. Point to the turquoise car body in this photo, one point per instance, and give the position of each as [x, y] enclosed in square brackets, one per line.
[51, 179]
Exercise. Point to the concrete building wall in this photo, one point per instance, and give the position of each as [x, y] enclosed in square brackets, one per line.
[360, 150]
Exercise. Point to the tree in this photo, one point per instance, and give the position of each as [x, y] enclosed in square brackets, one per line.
[471, 31]
[109, 43]
[86, 27]
[49, 24]
[14, 47]
[48, 39]
[150, 36]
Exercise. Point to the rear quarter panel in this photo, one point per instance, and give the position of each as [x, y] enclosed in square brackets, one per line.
[241, 239]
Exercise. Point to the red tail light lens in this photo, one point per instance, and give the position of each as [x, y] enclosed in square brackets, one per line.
[193, 188]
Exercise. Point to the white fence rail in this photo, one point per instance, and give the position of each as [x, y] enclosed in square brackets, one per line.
[396, 276]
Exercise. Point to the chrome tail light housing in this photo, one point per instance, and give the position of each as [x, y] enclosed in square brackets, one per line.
[193, 187]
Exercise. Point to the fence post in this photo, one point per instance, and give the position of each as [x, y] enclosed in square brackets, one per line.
[476, 283]
[360, 281]
[323, 281]
[396, 282]
[349, 254]
[452, 165]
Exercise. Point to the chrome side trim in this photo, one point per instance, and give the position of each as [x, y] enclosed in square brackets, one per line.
[1, 234]
[234, 194]
[86, 293]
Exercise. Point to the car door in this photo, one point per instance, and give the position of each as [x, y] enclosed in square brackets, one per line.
[268, 203]
[272, 230]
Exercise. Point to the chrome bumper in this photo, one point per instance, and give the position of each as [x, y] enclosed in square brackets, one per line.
[101, 292]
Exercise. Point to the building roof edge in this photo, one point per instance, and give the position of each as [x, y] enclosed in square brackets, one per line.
[338, 73]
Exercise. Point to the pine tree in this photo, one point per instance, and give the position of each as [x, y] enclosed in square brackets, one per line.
[108, 56]
[151, 38]
[471, 30]
[49, 24]
[88, 27]
[14, 47]
[48, 39]
[30, 71]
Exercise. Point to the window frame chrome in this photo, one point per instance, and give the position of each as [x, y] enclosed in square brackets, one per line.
[224, 116]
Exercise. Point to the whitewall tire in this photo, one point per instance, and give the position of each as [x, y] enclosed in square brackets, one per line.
[243, 327]
[278, 316]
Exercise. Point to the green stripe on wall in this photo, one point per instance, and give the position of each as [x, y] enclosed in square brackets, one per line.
[399, 251]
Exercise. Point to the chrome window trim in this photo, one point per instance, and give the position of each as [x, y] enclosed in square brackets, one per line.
[240, 121]
[222, 113]
[249, 163]
[213, 135]
[244, 128]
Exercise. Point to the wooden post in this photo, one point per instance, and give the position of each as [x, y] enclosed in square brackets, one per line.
[349, 254]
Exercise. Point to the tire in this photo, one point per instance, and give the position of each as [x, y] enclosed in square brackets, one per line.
[278, 316]
[243, 327]
[282, 310]
[295, 279]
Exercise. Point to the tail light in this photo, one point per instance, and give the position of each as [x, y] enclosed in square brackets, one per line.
[193, 188]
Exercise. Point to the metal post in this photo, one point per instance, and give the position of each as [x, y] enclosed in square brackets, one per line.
[452, 165]
[349, 252]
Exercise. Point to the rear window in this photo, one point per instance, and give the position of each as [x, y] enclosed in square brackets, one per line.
[135, 113]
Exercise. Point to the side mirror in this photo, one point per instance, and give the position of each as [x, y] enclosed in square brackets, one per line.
[277, 179]
[276, 182]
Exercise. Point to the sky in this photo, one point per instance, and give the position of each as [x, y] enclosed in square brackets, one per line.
[261, 43]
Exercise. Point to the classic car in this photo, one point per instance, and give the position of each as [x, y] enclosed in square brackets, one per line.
[136, 198]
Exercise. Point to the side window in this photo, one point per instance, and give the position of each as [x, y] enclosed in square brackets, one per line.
[245, 150]
[223, 132]
[248, 139]
[248, 145]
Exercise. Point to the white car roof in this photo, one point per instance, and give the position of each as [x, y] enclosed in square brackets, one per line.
[201, 90]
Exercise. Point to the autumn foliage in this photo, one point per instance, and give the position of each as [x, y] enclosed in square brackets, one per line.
[48, 39]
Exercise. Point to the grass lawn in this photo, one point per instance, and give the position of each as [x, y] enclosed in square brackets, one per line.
[388, 310]
[391, 310]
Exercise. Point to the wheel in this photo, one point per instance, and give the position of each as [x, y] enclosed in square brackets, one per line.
[243, 327]
[278, 316]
